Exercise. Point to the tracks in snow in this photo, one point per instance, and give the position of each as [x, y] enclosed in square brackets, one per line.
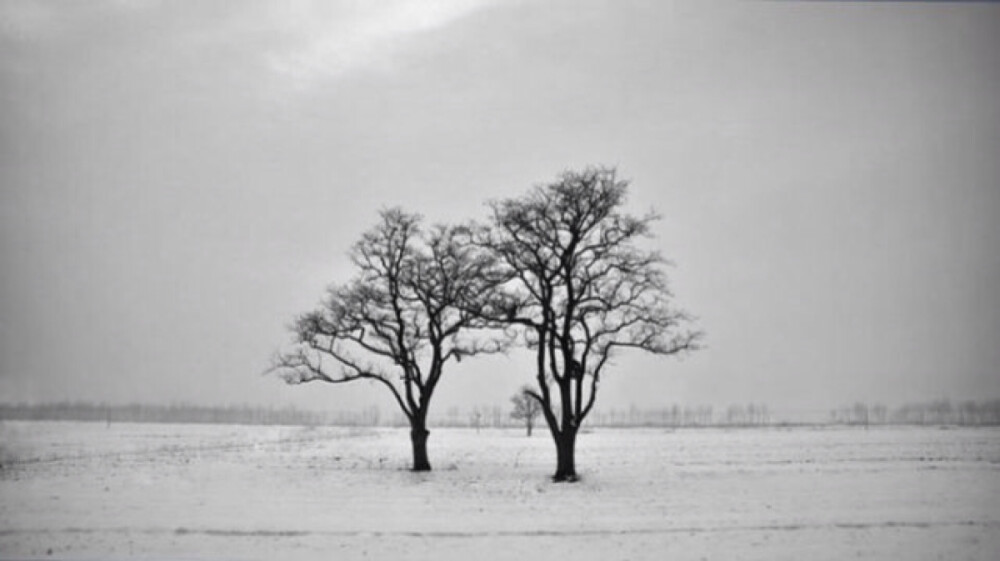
[224, 532]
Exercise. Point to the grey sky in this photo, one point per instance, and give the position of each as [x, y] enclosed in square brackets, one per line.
[180, 179]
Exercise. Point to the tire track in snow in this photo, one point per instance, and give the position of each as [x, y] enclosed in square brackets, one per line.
[218, 532]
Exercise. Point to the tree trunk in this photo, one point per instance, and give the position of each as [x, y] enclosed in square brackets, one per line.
[418, 436]
[529, 423]
[565, 455]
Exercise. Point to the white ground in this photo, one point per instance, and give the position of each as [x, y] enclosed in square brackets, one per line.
[85, 490]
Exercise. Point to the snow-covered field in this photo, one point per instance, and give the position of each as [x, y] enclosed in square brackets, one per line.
[86, 490]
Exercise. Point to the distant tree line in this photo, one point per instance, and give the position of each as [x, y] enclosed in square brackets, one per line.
[668, 416]
[185, 413]
[676, 416]
[937, 412]
[493, 416]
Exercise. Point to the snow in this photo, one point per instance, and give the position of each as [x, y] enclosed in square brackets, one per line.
[87, 490]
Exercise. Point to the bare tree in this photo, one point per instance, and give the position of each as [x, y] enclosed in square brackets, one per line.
[581, 290]
[406, 314]
[526, 408]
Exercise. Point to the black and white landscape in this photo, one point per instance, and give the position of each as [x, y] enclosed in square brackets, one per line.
[297, 279]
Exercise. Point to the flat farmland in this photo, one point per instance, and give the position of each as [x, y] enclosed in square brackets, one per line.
[89, 490]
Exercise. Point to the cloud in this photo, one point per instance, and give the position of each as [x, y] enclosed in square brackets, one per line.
[301, 42]
[324, 40]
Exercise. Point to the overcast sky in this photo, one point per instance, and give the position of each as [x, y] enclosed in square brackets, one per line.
[180, 179]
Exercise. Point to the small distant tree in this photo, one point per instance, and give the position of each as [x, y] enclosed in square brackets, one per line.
[403, 317]
[526, 408]
[581, 289]
[476, 418]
